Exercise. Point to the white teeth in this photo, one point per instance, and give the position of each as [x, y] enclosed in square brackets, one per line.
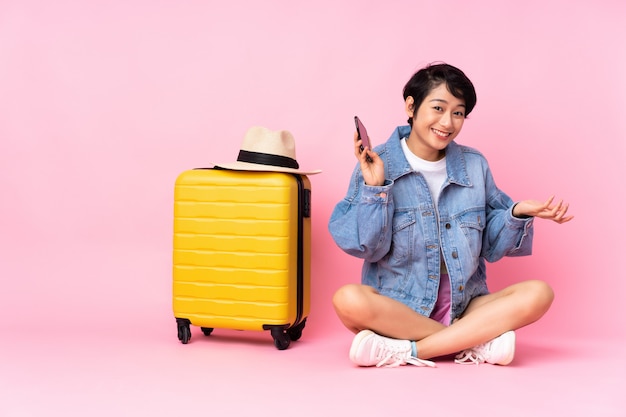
[440, 133]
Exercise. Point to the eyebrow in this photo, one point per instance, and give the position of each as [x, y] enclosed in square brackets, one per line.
[443, 101]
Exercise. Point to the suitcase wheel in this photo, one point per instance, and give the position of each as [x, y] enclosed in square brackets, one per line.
[281, 338]
[184, 330]
[207, 330]
[295, 333]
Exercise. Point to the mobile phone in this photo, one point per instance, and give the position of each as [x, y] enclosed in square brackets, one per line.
[363, 136]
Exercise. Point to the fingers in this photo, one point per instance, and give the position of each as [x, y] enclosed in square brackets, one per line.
[560, 216]
[556, 213]
[365, 155]
[357, 146]
[555, 209]
[547, 204]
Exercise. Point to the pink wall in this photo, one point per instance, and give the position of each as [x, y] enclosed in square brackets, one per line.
[103, 103]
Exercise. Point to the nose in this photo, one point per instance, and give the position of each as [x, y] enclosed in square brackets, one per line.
[446, 119]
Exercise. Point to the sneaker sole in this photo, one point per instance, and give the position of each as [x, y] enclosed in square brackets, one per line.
[356, 342]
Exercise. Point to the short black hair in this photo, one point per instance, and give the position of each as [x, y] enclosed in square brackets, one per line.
[431, 76]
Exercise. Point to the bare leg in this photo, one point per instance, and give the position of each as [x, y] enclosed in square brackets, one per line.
[489, 316]
[361, 307]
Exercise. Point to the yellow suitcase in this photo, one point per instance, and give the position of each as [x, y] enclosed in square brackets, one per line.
[242, 252]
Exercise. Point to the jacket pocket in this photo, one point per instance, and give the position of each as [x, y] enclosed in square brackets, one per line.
[392, 271]
[403, 226]
[472, 224]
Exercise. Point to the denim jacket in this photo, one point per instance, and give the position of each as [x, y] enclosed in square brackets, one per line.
[401, 235]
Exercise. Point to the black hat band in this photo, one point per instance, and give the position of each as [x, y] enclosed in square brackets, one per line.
[267, 159]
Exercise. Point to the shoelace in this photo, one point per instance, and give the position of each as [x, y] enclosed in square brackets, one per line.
[395, 357]
[469, 356]
[420, 362]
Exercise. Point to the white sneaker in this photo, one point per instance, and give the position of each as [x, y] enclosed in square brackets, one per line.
[498, 351]
[369, 349]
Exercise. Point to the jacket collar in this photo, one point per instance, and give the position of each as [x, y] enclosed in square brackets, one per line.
[397, 165]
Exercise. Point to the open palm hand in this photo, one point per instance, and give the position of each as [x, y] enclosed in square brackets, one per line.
[544, 210]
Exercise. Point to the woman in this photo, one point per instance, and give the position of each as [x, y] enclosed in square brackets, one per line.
[424, 214]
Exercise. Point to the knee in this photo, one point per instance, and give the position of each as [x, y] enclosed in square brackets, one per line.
[539, 297]
[544, 292]
[350, 301]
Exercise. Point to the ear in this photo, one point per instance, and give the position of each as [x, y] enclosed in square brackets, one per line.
[409, 106]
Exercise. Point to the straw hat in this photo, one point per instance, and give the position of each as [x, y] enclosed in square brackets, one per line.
[266, 150]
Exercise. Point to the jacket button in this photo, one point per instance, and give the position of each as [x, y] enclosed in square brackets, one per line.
[461, 288]
[455, 255]
[448, 225]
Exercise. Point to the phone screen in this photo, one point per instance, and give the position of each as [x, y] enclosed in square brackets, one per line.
[362, 132]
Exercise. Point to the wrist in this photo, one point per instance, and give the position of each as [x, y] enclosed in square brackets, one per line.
[518, 214]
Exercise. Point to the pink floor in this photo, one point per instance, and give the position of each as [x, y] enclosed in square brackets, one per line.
[135, 368]
[94, 338]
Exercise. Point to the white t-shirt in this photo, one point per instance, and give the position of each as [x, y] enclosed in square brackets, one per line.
[434, 172]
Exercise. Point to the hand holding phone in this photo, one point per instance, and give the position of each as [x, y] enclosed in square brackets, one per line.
[363, 136]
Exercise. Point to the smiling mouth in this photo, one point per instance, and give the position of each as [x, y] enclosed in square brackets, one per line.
[441, 133]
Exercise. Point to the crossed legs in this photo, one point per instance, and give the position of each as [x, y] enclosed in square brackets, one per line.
[361, 307]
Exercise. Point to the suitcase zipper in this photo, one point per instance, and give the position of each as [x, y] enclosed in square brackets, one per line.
[304, 210]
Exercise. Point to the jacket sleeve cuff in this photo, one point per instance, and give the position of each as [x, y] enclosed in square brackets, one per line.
[377, 192]
[526, 222]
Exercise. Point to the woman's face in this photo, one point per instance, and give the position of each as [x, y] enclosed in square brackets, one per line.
[436, 123]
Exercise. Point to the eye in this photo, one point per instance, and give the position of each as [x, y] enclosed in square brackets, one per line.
[438, 108]
[459, 113]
